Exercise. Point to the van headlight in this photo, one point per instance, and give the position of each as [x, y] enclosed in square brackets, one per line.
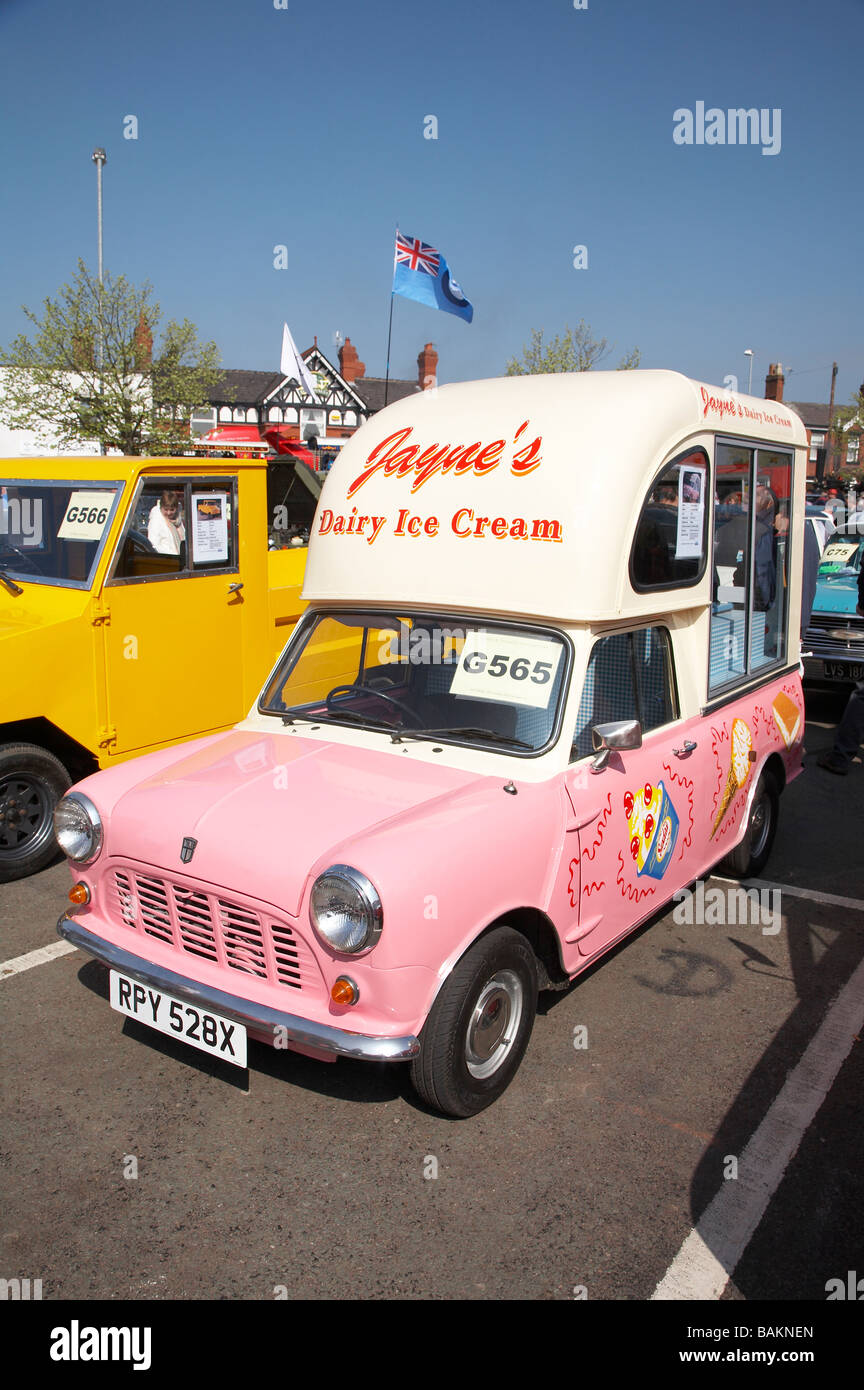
[78, 827]
[345, 909]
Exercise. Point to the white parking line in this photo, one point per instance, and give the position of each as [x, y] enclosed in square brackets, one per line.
[44, 953]
[829, 899]
[707, 1259]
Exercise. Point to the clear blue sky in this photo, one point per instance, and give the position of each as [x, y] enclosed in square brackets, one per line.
[304, 126]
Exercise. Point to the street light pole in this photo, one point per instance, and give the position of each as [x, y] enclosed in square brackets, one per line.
[99, 158]
[748, 352]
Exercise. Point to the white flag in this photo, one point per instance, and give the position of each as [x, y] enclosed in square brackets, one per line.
[292, 364]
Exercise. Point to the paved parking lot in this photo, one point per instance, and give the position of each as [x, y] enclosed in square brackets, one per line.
[136, 1168]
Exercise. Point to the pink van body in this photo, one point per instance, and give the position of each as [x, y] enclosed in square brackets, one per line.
[573, 852]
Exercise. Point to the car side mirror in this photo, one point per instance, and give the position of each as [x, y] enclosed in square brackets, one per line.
[624, 733]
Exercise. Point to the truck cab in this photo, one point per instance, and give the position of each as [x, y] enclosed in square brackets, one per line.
[139, 606]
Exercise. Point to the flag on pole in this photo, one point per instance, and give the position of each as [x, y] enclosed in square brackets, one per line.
[420, 272]
[292, 364]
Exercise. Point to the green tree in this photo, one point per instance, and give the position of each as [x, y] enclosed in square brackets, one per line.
[846, 418]
[90, 371]
[576, 350]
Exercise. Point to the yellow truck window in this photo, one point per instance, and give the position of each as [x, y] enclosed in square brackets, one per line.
[53, 532]
[179, 527]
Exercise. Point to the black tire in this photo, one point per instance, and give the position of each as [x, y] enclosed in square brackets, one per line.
[478, 1028]
[32, 781]
[749, 857]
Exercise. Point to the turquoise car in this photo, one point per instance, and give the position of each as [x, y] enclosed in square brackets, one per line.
[834, 641]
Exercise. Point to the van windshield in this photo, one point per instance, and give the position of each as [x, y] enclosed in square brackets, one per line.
[53, 532]
[412, 675]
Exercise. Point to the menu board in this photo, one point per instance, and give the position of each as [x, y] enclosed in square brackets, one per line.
[691, 512]
[209, 528]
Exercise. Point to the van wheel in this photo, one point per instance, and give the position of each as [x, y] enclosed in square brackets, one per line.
[749, 857]
[478, 1028]
[32, 781]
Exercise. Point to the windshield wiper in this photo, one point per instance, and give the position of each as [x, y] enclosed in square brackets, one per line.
[329, 719]
[10, 583]
[467, 730]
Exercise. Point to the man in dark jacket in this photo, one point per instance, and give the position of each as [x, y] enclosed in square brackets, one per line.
[850, 730]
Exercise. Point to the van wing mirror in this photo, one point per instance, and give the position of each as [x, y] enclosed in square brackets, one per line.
[624, 733]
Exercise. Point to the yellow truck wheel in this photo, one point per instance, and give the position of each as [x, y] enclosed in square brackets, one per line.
[32, 781]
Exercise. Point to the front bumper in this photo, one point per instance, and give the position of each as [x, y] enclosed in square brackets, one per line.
[259, 1020]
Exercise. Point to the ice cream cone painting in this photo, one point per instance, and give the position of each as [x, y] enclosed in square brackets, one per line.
[742, 758]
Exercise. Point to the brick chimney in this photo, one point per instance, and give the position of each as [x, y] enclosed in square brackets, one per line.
[427, 368]
[774, 382]
[350, 365]
[143, 346]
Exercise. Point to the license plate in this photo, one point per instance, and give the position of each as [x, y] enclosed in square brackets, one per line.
[843, 671]
[209, 1032]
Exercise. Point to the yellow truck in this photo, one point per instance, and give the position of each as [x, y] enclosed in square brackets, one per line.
[142, 603]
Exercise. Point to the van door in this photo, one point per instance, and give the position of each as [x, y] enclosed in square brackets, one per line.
[175, 610]
[638, 839]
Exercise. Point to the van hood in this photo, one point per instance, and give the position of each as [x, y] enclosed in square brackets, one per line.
[267, 810]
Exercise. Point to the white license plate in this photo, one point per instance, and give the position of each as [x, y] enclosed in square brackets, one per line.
[209, 1032]
[843, 671]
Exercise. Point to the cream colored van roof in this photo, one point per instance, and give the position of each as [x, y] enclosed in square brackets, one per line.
[517, 494]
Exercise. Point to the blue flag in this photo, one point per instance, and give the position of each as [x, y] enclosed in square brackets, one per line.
[420, 272]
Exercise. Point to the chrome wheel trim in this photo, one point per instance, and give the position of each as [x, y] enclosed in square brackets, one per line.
[494, 1024]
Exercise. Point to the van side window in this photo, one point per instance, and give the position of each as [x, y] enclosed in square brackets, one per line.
[749, 611]
[630, 675]
[670, 542]
[178, 526]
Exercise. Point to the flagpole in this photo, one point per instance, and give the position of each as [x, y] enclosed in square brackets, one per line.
[390, 326]
[389, 335]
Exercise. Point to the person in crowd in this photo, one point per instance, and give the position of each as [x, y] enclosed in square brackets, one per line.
[812, 557]
[733, 539]
[850, 730]
[835, 507]
[165, 529]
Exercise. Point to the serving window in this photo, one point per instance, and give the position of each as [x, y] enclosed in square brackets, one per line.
[670, 544]
[750, 595]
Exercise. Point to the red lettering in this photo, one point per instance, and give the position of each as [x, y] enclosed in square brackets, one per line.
[425, 462]
[489, 457]
[373, 462]
[457, 521]
[527, 459]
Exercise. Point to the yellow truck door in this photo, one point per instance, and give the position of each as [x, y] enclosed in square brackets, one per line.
[173, 614]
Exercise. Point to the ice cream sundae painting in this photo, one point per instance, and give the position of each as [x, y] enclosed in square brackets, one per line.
[652, 822]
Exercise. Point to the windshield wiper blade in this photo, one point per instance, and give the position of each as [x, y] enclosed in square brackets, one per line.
[10, 583]
[348, 714]
[467, 730]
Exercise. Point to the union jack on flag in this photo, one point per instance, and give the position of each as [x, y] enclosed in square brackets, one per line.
[416, 255]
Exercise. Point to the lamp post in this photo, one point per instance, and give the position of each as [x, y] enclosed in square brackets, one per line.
[748, 352]
[99, 158]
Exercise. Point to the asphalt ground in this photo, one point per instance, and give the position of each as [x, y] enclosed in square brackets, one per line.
[303, 1180]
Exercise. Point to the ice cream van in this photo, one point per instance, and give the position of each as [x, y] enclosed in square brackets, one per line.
[548, 676]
